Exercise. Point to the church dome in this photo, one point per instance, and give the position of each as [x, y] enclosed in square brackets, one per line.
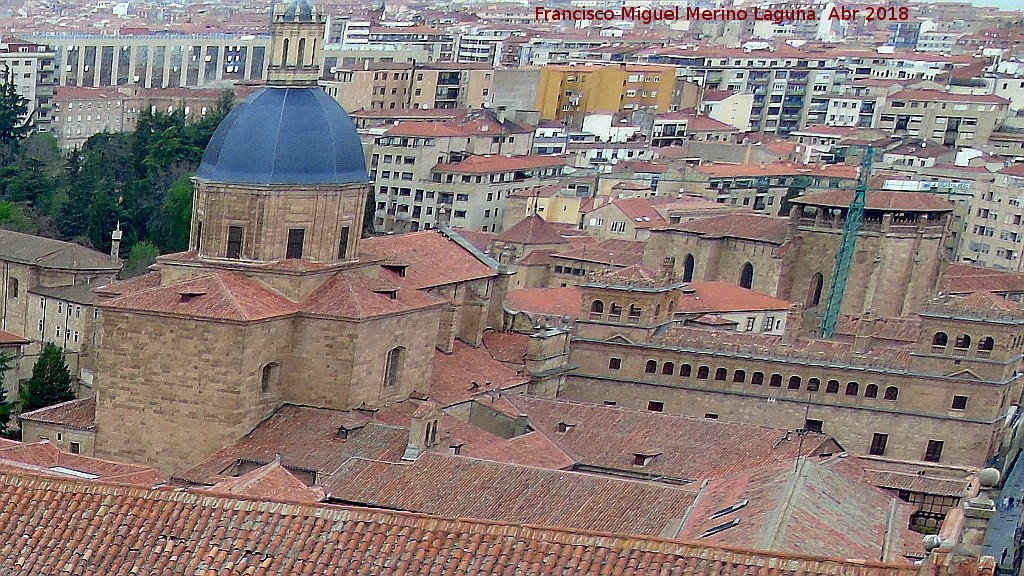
[297, 11]
[285, 136]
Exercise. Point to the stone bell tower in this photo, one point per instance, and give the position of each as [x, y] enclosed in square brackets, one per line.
[297, 37]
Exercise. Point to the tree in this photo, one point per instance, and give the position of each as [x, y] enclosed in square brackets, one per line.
[171, 228]
[139, 259]
[14, 124]
[6, 406]
[12, 217]
[50, 382]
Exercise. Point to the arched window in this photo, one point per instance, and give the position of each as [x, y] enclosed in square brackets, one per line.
[657, 311]
[652, 367]
[776, 381]
[615, 312]
[962, 341]
[814, 290]
[986, 344]
[852, 388]
[721, 374]
[871, 391]
[832, 387]
[813, 385]
[940, 339]
[747, 275]
[892, 393]
[634, 313]
[597, 307]
[685, 370]
[393, 366]
[12, 287]
[794, 383]
[268, 378]
[757, 378]
[688, 264]
[702, 372]
[668, 368]
[284, 52]
[301, 56]
[739, 376]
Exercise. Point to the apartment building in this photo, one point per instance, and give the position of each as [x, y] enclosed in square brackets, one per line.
[992, 231]
[30, 67]
[458, 172]
[764, 187]
[568, 93]
[951, 119]
[675, 128]
[409, 85]
[157, 60]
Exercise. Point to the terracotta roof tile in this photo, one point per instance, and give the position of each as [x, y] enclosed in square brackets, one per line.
[689, 449]
[565, 301]
[6, 338]
[79, 414]
[744, 226]
[711, 297]
[431, 258]
[641, 212]
[460, 487]
[507, 347]
[347, 295]
[490, 163]
[43, 458]
[271, 482]
[940, 96]
[723, 170]
[530, 449]
[532, 230]
[453, 376]
[964, 279]
[613, 252]
[136, 531]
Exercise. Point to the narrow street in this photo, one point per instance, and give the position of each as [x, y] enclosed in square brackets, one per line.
[1001, 529]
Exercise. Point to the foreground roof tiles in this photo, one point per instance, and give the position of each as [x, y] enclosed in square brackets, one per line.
[52, 527]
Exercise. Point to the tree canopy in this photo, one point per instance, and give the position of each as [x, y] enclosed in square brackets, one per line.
[50, 382]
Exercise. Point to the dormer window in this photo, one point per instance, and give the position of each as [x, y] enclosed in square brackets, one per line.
[644, 458]
[564, 427]
[391, 293]
[397, 269]
[190, 295]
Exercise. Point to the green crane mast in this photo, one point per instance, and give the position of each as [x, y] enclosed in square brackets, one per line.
[854, 218]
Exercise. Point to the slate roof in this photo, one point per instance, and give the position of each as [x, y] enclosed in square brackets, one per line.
[807, 508]
[432, 259]
[692, 449]
[285, 136]
[51, 527]
[77, 293]
[460, 487]
[50, 253]
[79, 414]
[532, 230]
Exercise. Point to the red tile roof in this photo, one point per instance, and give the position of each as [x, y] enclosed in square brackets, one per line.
[688, 449]
[272, 482]
[641, 212]
[712, 297]
[347, 295]
[453, 376]
[479, 240]
[565, 301]
[161, 531]
[8, 339]
[744, 226]
[612, 251]
[724, 170]
[880, 200]
[1013, 170]
[811, 508]
[432, 258]
[532, 230]
[940, 96]
[45, 459]
[489, 163]
[964, 279]
[79, 414]
[697, 122]
[507, 347]
[460, 487]
[530, 449]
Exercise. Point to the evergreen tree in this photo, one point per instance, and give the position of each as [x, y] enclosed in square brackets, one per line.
[6, 406]
[14, 126]
[142, 255]
[50, 382]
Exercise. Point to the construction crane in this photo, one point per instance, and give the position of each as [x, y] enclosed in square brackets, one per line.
[854, 218]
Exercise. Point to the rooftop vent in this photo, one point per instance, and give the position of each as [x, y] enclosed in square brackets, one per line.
[190, 295]
[730, 509]
[720, 528]
[564, 427]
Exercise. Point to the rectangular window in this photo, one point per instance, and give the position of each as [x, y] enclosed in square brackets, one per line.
[343, 243]
[655, 406]
[878, 444]
[296, 236]
[814, 425]
[959, 403]
[934, 451]
[751, 322]
[234, 242]
[75, 448]
[614, 363]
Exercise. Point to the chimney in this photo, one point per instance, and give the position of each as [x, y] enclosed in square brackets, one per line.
[865, 330]
[422, 430]
[115, 243]
[794, 323]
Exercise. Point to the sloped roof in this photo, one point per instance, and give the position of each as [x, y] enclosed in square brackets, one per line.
[965, 279]
[809, 508]
[50, 253]
[270, 482]
[564, 301]
[744, 226]
[879, 200]
[940, 96]
[532, 230]
[174, 532]
[79, 414]
[220, 296]
[453, 375]
[490, 163]
[640, 211]
[347, 295]
[611, 251]
[693, 449]
[507, 347]
[460, 487]
[44, 459]
[711, 297]
[432, 259]
[6, 338]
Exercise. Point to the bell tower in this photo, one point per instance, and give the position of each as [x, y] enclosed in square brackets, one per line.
[297, 37]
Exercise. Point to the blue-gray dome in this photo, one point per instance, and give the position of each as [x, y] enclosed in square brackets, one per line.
[285, 136]
[298, 11]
